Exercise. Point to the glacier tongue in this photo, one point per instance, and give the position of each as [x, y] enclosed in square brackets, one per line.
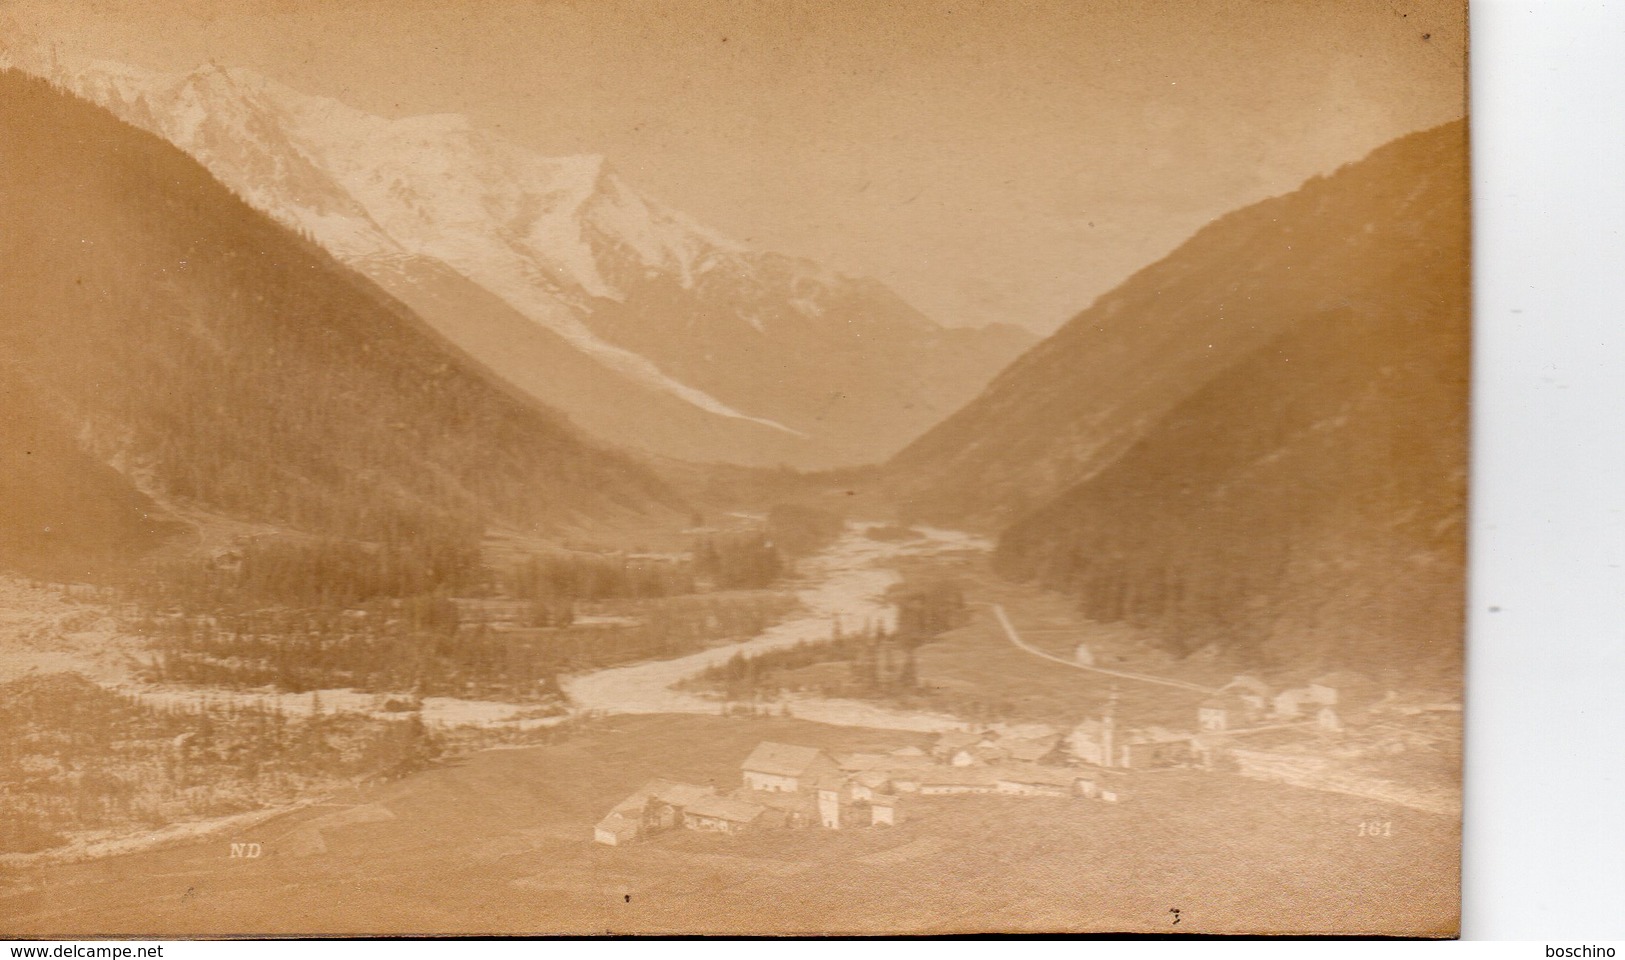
[525, 226]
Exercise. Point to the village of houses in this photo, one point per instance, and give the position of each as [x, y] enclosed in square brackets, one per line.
[787, 786]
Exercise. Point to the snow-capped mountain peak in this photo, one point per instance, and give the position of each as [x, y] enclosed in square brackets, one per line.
[425, 204]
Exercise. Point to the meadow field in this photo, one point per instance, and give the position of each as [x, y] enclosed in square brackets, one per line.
[500, 842]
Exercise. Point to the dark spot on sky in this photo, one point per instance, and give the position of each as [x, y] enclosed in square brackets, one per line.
[1427, 36]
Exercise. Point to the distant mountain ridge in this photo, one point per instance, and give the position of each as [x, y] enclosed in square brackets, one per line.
[646, 328]
[164, 343]
[1074, 403]
[1288, 486]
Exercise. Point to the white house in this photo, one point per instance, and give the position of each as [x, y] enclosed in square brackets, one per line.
[786, 768]
[1290, 702]
[1154, 748]
[1094, 742]
[953, 742]
[1224, 712]
[1251, 690]
[615, 830]
[829, 805]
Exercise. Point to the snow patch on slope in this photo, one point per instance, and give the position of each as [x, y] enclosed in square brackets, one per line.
[522, 225]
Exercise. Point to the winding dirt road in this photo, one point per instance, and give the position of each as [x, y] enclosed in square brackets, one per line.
[1015, 638]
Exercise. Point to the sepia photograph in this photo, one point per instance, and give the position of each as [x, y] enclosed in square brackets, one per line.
[732, 467]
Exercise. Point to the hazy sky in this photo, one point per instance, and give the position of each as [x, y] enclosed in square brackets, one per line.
[990, 160]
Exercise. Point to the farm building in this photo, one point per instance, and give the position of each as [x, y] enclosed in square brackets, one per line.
[976, 756]
[784, 809]
[866, 785]
[1291, 702]
[908, 781]
[786, 768]
[1098, 787]
[722, 815]
[667, 801]
[829, 803]
[955, 741]
[657, 805]
[1094, 742]
[615, 830]
[950, 780]
[1223, 712]
[1035, 781]
[1033, 751]
[1251, 690]
[1154, 748]
[858, 762]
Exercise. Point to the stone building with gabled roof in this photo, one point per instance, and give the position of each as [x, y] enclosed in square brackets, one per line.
[657, 805]
[1154, 748]
[786, 768]
[946, 780]
[954, 741]
[722, 814]
[866, 785]
[1033, 751]
[858, 762]
[1032, 780]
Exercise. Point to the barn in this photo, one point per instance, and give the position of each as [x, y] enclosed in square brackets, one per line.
[950, 780]
[1034, 781]
[722, 815]
[1155, 748]
[657, 805]
[866, 785]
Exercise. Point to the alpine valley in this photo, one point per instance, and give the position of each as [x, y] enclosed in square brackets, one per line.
[647, 329]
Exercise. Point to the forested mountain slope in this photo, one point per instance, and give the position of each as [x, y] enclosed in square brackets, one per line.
[1366, 238]
[215, 359]
[647, 329]
[1307, 504]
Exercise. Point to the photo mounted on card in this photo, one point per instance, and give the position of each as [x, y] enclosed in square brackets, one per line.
[722, 467]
